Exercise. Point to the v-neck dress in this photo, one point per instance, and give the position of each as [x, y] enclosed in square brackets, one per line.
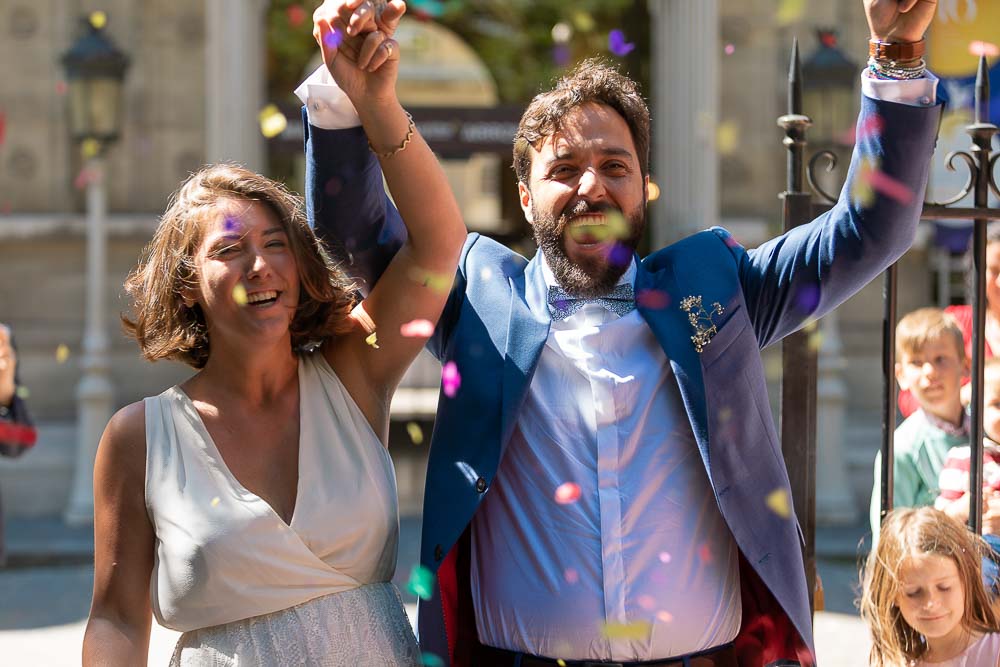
[247, 588]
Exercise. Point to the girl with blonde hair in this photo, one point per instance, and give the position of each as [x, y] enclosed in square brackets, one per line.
[923, 596]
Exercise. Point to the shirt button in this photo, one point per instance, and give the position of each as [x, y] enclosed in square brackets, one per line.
[438, 553]
[481, 485]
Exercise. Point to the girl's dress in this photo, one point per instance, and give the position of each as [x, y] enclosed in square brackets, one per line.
[244, 587]
[983, 653]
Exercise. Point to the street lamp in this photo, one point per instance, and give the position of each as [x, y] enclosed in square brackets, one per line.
[95, 70]
[830, 96]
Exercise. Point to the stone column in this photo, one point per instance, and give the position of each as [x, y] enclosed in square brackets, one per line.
[685, 101]
[235, 71]
[834, 500]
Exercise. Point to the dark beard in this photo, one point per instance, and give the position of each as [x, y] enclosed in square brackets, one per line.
[594, 277]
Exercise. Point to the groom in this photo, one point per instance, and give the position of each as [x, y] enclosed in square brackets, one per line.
[596, 490]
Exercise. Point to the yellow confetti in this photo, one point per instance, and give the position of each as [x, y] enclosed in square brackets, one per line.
[98, 19]
[790, 11]
[90, 148]
[215, 501]
[637, 630]
[584, 21]
[815, 340]
[439, 282]
[654, 191]
[415, 432]
[272, 121]
[240, 294]
[62, 353]
[373, 340]
[779, 503]
[861, 188]
[561, 662]
[727, 137]
[22, 392]
[617, 226]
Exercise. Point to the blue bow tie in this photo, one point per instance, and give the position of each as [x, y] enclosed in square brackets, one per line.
[620, 301]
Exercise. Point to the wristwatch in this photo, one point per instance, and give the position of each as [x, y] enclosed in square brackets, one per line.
[899, 52]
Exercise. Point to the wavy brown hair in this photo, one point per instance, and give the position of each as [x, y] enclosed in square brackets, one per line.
[908, 532]
[166, 328]
[595, 81]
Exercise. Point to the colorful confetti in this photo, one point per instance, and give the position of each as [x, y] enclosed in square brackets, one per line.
[729, 49]
[636, 630]
[584, 22]
[61, 87]
[571, 575]
[62, 353]
[664, 616]
[890, 187]
[439, 282]
[450, 379]
[705, 554]
[421, 582]
[861, 188]
[561, 33]
[567, 493]
[296, 15]
[240, 294]
[654, 191]
[22, 392]
[98, 19]
[617, 44]
[561, 55]
[807, 298]
[415, 432]
[561, 662]
[647, 602]
[652, 299]
[333, 187]
[727, 137]
[619, 254]
[333, 39]
[429, 659]
[417, 329]
[3, 127]
[372, 339]
[665, 557]
[486, 273]
[216, 501]
[85, 178]
[272, 121]
[90, 148]
[778, 502]
[790, 11]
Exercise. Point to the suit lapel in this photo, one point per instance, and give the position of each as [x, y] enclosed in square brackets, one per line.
[672, 329]
[527, 331]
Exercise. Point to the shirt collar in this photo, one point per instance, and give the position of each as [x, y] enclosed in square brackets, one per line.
[947, 426]
[627, 278]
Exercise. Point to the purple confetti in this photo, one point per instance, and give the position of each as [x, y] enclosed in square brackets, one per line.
[450, 379]
[231, 224]
[333, 187]
[807, 298]
[617, 44]
[333, 39]
[561, 55]
[619, 255]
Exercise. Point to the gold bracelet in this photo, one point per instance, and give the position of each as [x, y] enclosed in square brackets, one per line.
[410, 129]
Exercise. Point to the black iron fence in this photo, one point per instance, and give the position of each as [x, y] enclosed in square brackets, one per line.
[799, 359]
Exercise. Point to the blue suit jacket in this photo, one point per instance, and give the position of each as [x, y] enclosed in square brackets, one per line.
[496, 323]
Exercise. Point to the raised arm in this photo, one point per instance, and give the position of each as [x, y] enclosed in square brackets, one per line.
[120, 613]
[416, 283]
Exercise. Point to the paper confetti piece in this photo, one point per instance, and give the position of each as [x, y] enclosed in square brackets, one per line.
[979, 48]
[779, 503]
[584, 21]
[429, 659]
[664, 616]
[240, 294]
[421, 582]
[61, 87]
[571, 575]
[654, 191]
[790, 11]
[647, 602]
[333, 39]
[417, 329]
[636, 630]
[372, 339]
[22, 392]
[62, 353]
[450, 379]
[415, 432]
[861, 189]
[439, 282]
[561, 33]
[652, 299]
[216, 501]
[296, 15]
[90, 148]
[486, 273]
[727, 137]
[705, 554]
[272, 121]
[665, 557]
[567, 493]
[618, 227]
[98, 19]
[617, 44]
[561, 662]
[890, 187]
[729, 49]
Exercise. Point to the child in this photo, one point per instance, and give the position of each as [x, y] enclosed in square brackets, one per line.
[930, 363]
[923, 598]
[953, 481]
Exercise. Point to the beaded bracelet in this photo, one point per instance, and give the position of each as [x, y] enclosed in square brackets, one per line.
[890, 71]
[410, 129]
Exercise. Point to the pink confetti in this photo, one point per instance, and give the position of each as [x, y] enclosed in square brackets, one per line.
[617, 44]
[567, 493]
[417, 329]
[61, 87]
[979, 48]
[664, 557]
[296, 15]
[3, 127]
[664, 616]
[450, 379]
[333, 187]
[652, 299]
[85, 178]
[647, 602]
[571, 575]
[890, 187]
[871, 127]
[730, 49]
[705, 554]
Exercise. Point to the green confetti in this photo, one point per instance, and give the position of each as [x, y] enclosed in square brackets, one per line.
[421, 582]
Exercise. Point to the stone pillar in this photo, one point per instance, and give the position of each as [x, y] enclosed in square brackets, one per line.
[834, 500]
[235, 71]
[685, 101]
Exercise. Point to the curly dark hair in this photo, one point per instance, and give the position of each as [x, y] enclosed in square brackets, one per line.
[593, 80]
[166, 328]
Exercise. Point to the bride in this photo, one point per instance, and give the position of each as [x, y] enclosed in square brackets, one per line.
[253, 507]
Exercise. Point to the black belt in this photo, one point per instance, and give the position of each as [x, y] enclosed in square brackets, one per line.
[487, 656]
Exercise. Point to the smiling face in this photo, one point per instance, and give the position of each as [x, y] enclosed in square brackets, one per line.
[586, 199]
[931, 597]
[248, 283]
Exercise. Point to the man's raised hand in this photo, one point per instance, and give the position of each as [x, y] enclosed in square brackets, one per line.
[899, 20]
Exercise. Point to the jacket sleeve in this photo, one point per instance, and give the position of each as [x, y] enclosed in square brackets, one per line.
[810, 270]
[346, 202]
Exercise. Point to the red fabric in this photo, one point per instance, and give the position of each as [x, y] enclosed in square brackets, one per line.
[954, 478]
[766, 634]
[963, 318]
[18, 434]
